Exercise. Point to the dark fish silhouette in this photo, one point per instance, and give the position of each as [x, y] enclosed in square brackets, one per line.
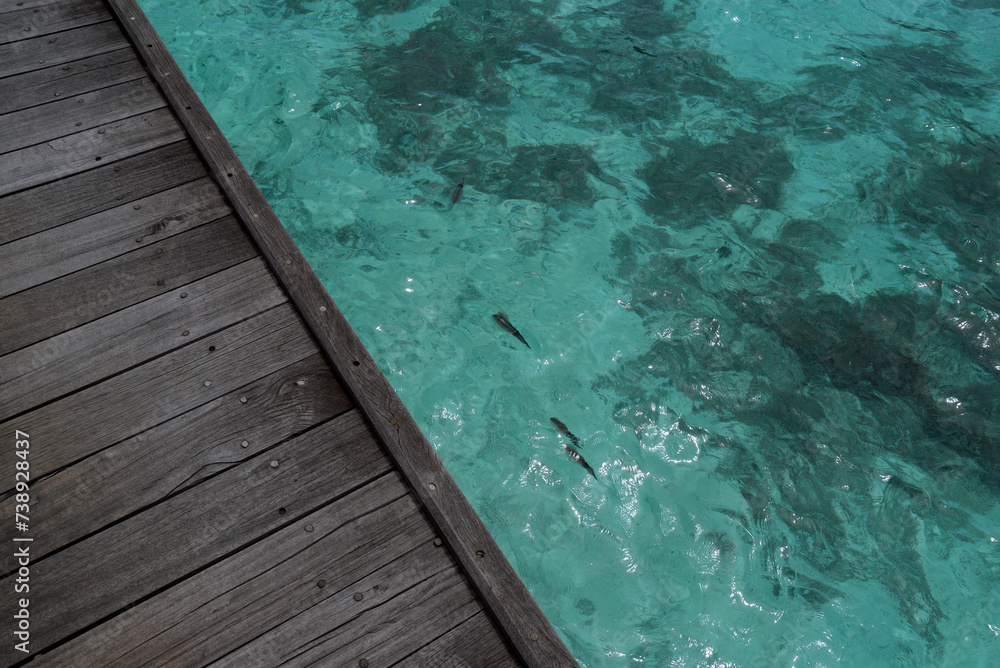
[456, 194]
[579, 459]
[564, 429]
[502, 320]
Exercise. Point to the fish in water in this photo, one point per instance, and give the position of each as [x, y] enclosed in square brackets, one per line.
[573, 452]
[456, 194]
[502, 320]
[561, 426]
[579, 459]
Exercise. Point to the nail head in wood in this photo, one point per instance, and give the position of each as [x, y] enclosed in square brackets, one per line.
[185, 333]
[363, 663]
[207, 383]
[321, 583]
[244, 444]
[309, 528]
[480, 554]
[183, 295]
[322, 309]
[432, 487]
[243, 400]
[358, 596]
[300, 382]
[136, 207]
[438, 542]
[274, 465]
[161, 282]
[534, 636]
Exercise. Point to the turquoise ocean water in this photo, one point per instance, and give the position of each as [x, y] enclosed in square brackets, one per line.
[755, 250]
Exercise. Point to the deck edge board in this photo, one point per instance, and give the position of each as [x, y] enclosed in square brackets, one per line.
[493, 578]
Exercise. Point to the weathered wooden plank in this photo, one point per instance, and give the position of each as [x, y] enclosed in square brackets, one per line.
[216, 611]
[475, 642]
[64, 81]
[8, 6]
[45, 19]
[59, 251]
[80, 112]
[70, 301]
[518, 615]
[74, 153]
[43, 207]
[31, 54]
[108, 572]
[125, 478]
[400, 606]
[407, 621]
[76, 426]
[69, 361]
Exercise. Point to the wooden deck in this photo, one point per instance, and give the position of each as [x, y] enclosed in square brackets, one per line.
[219, 473]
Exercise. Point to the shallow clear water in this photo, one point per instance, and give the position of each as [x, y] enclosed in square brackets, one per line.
[754, 248]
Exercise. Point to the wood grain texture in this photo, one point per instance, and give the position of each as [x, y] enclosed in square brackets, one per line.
[70, 301]
[18, 5]
[518, 615]
[128, 477]
[69, 361]
[72, 428]
[30, 54]
[62, 250]
[124, 563]
[79, 112]
[28, 22]
[402, 603]
[81, 151]
[473, 643]
[216, 611]
[64, 81]
[96, 190]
